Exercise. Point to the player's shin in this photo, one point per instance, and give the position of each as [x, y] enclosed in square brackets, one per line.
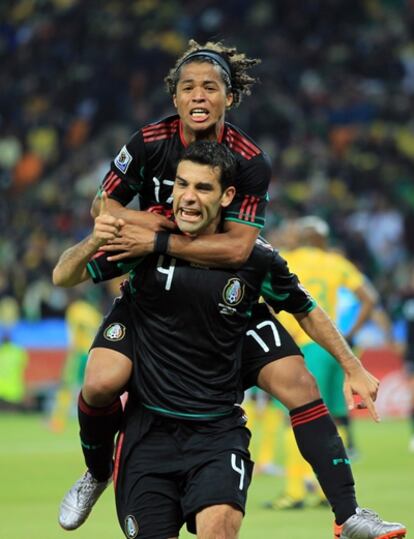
[320, 444]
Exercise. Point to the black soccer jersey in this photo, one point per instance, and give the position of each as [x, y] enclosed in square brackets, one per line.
[189, 323]
[146, 167]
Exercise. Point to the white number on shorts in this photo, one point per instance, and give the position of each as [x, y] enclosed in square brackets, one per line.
[168, 271]
[157, 186]
[259, 340]
[238, 470]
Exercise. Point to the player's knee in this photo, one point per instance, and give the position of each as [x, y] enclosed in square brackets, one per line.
[219, 522]
[308, 386]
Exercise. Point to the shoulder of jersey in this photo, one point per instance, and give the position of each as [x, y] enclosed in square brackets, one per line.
[240, 143]
[161, 130]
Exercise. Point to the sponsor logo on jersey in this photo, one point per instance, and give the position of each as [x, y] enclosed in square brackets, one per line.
[233, 292]
[131, 527]
[115, 332]
[123, 160]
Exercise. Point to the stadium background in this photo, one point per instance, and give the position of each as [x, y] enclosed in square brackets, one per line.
[333, 110]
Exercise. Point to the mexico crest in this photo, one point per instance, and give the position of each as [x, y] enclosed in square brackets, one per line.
[233, 292]
[115, 332]
[131, 527]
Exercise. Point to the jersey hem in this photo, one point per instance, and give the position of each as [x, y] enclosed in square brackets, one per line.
[256, 225]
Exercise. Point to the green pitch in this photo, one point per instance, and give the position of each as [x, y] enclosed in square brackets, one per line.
[38, 466]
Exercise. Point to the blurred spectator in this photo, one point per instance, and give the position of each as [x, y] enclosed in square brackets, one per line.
[83, 320]
[13, 361]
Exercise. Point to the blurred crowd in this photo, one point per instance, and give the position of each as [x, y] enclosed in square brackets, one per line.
[333, 110]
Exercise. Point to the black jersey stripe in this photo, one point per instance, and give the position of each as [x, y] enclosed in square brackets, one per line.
[240, 148]
[239, 137]
[155, 129]
[113, 185]
[155, 132]
[248, 208]
[238, 141]
[161, 125]
[109, 180]
[242, 151]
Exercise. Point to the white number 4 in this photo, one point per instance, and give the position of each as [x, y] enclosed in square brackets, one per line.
[169, 272]
[239, 470]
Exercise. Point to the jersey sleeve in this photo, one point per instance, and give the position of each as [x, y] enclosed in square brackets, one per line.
[252, 183]
[101, 269]
[125, 177]
[282, 290]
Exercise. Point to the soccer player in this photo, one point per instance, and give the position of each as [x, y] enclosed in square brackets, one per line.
[183, 454]
[204, 82]
[323, 272]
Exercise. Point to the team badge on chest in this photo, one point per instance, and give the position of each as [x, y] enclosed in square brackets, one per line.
[233, 292]
[115, 332]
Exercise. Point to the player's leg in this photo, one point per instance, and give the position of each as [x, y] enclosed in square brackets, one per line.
[288, 380]
[146, 478]
[100, 412]
[219, 522]
[219, 471]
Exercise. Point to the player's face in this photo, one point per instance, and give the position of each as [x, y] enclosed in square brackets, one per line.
[201, 100]
[198, 198]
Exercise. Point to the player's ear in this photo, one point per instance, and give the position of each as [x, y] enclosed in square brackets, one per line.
[229, 100]
[174, 98]
[227, 196]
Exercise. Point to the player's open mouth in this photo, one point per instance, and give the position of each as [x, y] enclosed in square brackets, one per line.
[188, 214]
[199, 114]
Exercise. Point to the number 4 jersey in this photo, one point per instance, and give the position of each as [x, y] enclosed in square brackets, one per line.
[188, 325]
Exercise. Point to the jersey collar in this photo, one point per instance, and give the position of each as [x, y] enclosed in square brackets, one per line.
[185, 143]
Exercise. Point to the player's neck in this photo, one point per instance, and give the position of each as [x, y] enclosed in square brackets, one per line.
[214, 133]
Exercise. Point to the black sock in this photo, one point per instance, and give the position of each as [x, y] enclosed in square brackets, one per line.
[320, 444]
[344, 421]
[98, 427]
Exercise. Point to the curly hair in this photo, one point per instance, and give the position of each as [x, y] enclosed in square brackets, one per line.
[240, 83]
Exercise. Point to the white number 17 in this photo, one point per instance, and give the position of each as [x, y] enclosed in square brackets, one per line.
[259, 340]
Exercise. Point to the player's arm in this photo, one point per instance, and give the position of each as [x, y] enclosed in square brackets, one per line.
[368, 298]
[123, 182]
[243, 220]
[230, 248]
[283, 291]
[71, 268]
[154, 222]
[322, 330]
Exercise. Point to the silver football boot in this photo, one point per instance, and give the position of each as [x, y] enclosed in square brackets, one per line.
[79, 500]
[365, 524]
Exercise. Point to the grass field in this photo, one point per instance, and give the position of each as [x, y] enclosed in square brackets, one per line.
[37, 467]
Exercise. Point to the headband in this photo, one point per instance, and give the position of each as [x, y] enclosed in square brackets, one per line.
[216, 57]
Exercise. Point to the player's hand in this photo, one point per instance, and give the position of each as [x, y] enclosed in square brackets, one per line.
[107, 226]
[131, 241]
[361, 382]
[146, 219]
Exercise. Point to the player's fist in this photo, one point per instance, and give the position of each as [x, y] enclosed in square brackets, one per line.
[106, 226]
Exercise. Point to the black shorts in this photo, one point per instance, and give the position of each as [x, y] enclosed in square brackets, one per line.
[167, 470]
[116, 331]
[266, 340]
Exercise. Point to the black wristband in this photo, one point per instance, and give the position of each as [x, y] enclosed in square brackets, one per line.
[161, 242]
